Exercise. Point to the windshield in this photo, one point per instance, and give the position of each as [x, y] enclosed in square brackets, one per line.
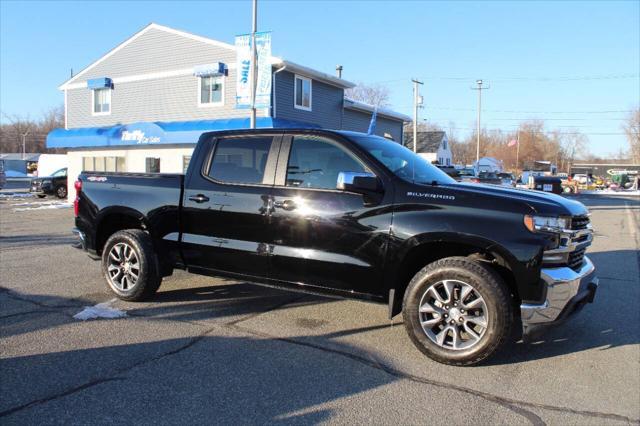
[59, 173]
[403, 162]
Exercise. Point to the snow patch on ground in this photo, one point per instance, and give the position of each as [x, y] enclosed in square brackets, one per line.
[16, 195]
[101, 310]
[610, 192]
[44, 206]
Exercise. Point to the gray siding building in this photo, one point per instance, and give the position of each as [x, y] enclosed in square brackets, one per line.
[142, 106]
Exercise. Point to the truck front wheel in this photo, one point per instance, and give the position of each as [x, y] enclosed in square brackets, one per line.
[130, 265]
[457, 311]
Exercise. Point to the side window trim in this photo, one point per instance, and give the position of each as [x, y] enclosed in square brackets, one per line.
[269, 171]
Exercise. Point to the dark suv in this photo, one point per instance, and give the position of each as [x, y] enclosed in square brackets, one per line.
[56, 184]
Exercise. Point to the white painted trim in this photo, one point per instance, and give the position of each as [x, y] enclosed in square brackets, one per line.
[143, 77]
[295, 92]
[66, 127]
[97, 114]
[211, 104]
[143, 31]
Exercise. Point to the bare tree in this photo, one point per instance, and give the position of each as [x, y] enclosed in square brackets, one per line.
[572, 146]
[375, 94]
[632, 130]
[35, 131]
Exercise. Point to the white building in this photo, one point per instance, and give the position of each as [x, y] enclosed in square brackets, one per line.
[433, 146]
[143, 106]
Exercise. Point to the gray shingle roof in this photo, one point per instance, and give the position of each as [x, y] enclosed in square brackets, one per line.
[427, 141]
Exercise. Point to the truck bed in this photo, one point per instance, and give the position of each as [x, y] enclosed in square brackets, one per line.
[154, 198]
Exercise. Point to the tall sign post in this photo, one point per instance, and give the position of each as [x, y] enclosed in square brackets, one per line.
[254, 64]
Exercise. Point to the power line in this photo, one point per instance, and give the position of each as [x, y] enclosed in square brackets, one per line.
[623, 76]
[534, 112]
[548, 132]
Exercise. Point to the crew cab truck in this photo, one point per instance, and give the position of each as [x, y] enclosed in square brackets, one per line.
[351, 215]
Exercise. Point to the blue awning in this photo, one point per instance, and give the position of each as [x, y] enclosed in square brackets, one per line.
[99, 83]
[157, 133]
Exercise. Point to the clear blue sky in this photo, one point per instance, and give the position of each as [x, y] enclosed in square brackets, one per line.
[560, 61]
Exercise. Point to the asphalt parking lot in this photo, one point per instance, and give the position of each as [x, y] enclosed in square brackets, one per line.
[215, 351]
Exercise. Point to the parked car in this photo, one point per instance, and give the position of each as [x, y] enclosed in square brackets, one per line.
[3, 175]
[56, 184]
[582, 179]
[507, 179]
[467, 175]
[551, 184]
[451, 171]
[489, 177]
[352, 215]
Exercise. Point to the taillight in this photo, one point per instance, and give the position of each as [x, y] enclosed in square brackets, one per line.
[475, 180]
[76, 203]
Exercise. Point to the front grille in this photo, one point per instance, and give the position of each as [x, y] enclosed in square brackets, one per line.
[575, 258]
[579, 222]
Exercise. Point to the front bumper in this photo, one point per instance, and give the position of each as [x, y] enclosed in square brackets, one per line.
[567, 292]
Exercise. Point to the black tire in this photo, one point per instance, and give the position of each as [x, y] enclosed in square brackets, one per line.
[61, 191]
[486, 283]
[149, 277]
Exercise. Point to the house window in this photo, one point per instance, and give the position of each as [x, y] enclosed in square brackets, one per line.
[444, 144]
[302, 93]
[211, 91]
[152, 165]
[101, 101]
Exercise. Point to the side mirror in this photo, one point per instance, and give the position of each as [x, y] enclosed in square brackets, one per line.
[363, 183]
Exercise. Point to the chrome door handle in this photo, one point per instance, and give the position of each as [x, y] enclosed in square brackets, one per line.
[199, 198]
[285, 205]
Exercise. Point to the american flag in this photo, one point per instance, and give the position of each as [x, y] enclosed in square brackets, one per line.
[512, 142]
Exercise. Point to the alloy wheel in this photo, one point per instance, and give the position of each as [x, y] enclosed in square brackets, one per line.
[124, 268]
[453, 314]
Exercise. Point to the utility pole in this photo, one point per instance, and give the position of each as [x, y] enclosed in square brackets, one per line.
[517, 149]
[479, 89]
[254, 65]
[24, 152]
[417, 102]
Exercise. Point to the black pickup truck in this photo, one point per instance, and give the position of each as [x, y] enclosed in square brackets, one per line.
[352, 215]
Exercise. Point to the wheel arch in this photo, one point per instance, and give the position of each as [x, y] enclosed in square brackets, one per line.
[423, 250]
[114, 219]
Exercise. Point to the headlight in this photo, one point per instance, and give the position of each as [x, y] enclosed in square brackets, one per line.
[46, 182]
[546, 223]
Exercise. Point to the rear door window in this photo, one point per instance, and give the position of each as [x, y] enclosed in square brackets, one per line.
[240, 160]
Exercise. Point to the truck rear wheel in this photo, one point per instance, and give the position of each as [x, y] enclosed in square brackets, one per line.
[457, 311]
[130, 265]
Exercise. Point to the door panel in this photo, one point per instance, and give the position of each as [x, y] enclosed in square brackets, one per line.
[226, 205]
[321, 236]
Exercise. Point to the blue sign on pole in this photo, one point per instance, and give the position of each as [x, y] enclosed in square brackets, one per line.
[243, 70]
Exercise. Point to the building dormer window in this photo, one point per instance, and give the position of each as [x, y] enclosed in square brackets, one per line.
[211, 91]
[101, 101]
[302, 93]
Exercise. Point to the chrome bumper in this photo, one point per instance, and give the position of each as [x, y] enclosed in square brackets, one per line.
[82, 239]
[566, 289]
